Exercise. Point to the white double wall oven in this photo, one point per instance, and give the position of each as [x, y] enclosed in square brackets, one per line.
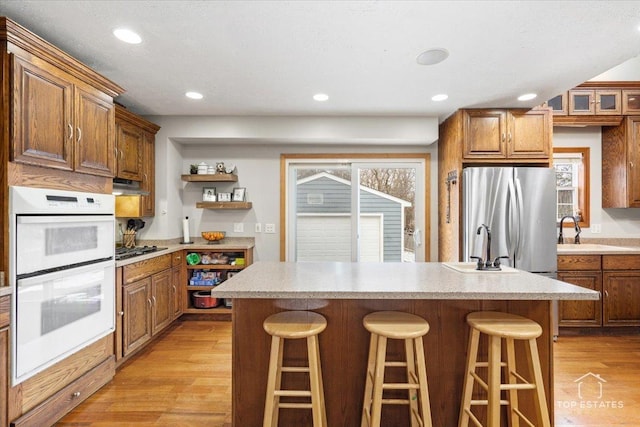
[62, 271]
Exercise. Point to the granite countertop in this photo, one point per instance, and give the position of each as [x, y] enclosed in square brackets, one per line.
[229, 243]
[596, 249]
[336, 280]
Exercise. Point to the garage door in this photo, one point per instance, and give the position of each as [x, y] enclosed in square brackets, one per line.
[328, 237]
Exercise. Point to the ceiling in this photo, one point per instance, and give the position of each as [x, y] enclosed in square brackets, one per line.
[268, 58]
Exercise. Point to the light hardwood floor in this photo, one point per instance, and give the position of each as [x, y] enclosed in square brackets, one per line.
[184, 379]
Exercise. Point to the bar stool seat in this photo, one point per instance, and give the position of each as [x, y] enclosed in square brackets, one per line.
[385, 325]
[294, 325]
[500, 326]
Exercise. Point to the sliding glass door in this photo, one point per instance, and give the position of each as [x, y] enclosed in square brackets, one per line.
[355, 211]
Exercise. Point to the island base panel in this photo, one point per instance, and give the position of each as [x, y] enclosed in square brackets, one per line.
[344, 348]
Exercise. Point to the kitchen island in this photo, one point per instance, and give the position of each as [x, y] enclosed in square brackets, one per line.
[344, 293]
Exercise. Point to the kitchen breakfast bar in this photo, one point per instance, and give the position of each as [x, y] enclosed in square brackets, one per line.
[441, 293]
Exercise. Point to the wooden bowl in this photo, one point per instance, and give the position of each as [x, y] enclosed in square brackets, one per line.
[213, 236]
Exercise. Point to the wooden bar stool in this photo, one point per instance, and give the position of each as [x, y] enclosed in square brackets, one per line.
[294, 325]
[385, 325]
[510, 327]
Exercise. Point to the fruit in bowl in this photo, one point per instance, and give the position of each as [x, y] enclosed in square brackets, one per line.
[213, 236]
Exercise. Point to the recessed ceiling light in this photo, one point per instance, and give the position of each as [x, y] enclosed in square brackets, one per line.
[527, 97]
[439, 97]
[194, 95]
[321, 97]
[432, 56]
[127, 36]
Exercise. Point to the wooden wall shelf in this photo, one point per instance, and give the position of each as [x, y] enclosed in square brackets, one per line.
[224, 205]
[218, 177]
[582, 121]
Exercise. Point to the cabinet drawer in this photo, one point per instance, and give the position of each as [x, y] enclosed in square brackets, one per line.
[55, 407]
[138, 270]
[579, 262]
[621, 262]
[176, 259]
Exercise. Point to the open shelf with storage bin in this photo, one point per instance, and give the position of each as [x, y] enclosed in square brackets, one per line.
[213, 267]
[224, 205]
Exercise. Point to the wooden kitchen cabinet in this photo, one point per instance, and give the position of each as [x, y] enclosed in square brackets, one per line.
[506, 134]
[60, 122]
[137, 320]
[621, 283]
[148, 298]
[595, 102]
[621, 164]
[581, 313]
[585, 271]
[130, 145]
[136, 155]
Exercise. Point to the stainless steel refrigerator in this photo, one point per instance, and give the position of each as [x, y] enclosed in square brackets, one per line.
[518, 204]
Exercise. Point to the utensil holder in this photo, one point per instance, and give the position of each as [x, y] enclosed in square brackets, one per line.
[129, 240]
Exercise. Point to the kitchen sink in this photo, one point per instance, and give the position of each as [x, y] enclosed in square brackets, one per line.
[470, 267]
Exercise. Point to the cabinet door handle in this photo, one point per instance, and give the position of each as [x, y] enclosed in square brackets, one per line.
[70, 130]
[503, 136]
[75, 395]
[631, 164]
[121, 313]
[149, 302]
[509, 136]
[79, 134]
[606, 294]
[154, 300]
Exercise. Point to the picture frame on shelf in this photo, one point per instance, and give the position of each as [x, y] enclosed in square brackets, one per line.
[209, 194]
[239, 194]
[224, 197]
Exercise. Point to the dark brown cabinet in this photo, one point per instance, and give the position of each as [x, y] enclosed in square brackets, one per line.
[59, 122]
[621, 164]
[506, 134]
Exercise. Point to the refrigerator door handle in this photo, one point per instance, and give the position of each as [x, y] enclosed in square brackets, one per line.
[520, 213]
[513, 209]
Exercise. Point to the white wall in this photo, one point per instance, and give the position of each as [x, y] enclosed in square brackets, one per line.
[614, 222]
[256, 151]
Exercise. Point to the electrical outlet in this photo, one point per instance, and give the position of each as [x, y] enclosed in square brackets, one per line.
[258, 227]
[238, 227]
[269, 228]
[596, 228]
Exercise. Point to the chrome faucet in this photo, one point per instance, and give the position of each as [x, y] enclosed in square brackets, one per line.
[488, 258]
[577, 229]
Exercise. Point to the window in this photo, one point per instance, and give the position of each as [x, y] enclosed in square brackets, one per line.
[355, 207]
[572, 183]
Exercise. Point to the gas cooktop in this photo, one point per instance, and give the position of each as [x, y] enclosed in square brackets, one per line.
[126, 253]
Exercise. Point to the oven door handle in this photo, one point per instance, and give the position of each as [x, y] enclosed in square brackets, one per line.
[65, 219]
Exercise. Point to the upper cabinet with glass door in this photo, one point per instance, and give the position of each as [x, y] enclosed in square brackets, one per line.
[595, 102]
